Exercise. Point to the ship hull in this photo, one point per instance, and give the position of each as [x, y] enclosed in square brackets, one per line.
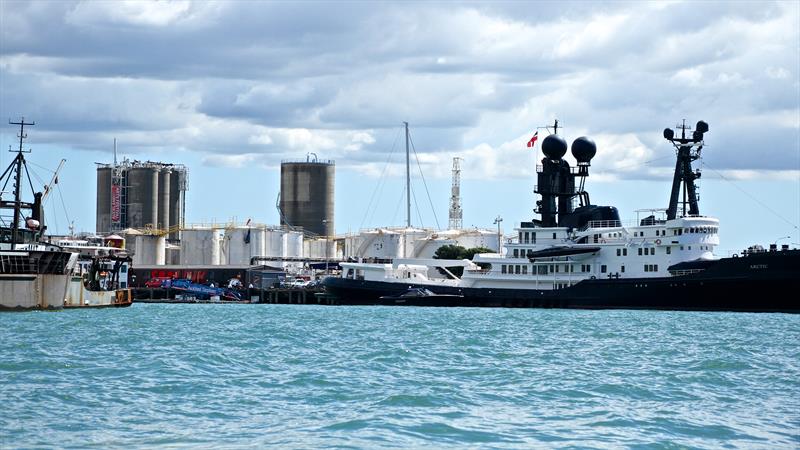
[26, 292]
[31, 280]
[758, 283]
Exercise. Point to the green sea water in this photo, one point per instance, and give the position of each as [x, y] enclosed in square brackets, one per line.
[296, 376]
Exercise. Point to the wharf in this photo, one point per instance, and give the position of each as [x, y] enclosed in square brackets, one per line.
[287, 296]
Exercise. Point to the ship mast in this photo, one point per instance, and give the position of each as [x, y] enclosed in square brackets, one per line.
[408, 181]
[688, 150]
[19, 161]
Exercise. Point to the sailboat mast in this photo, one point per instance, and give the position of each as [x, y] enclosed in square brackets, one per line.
[408, 182]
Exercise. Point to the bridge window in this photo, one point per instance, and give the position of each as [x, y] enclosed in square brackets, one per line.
[503, 268]
[669, 250]
[624, 252]
[516, 253]
[524, 270]
[517, 270]
[640, 251]
[603, 268]
[554, 235]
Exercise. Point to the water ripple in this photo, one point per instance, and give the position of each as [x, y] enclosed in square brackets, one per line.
[365, 377]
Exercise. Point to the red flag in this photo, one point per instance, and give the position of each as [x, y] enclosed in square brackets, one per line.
[533, 139]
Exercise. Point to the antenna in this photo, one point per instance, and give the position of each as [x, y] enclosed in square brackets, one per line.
[455, 197]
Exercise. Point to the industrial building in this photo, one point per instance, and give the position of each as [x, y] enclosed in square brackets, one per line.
[134, 194]
[306, 196]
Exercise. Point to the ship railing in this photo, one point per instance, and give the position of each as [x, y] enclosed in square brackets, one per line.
[602, 224]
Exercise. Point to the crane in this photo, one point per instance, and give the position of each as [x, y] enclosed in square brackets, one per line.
[53, 181]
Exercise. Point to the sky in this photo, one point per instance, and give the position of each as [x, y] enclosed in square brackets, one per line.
[230, 89]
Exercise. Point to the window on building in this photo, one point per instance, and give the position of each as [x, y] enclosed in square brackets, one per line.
[619, 252]
[640, 251]
[524, 270]
[603, 268]
[516, 253]
[517, 270]
[503, 268]
[655, 267]
[624, 252]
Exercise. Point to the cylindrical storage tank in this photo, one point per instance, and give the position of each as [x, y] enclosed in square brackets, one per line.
[103, 224]
[307, 191]
[177, 182]
[380, 243]
[163, 198]
[200, 246]
[274, 242]
[161, 250]
[241, 244]
[293, 246]
[409, 237]
[142, 197]
[478, 238]
[145, 250]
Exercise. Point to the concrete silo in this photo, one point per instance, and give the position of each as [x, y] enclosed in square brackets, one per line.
[177, 188]
[307, 192]
[142, 196]
[164, 186]
[103, 224]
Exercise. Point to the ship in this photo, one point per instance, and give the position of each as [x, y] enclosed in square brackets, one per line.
[34, 274]
[100, 278]
[580, 255]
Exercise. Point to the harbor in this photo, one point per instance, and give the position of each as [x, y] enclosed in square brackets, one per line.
[399, 225]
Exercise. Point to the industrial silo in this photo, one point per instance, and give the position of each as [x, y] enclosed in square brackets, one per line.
[307, 190]
[103, 224]
[177, 186]
[164, 186]
[142, 196]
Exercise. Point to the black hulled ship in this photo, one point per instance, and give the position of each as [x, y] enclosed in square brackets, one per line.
[580, 255]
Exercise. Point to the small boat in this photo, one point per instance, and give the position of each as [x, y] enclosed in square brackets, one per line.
[100, 278]
[421, 297]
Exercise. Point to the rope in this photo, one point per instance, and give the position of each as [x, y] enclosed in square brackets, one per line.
[752, 197]
[379, 186]
[424, 183]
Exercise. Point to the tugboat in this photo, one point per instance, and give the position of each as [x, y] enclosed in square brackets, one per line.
[580, 255]
[33, 274]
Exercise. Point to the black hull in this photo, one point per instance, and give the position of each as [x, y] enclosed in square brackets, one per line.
[767, 282]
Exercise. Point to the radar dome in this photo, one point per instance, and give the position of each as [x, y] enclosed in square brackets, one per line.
[554, 146]
[583, 149]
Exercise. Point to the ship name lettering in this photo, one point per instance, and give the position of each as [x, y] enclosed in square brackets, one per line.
[759, 266]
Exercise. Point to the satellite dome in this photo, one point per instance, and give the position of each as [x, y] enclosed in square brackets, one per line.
[554, 146]
[583, 149]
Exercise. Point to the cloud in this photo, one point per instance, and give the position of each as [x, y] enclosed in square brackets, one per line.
[255, 82]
